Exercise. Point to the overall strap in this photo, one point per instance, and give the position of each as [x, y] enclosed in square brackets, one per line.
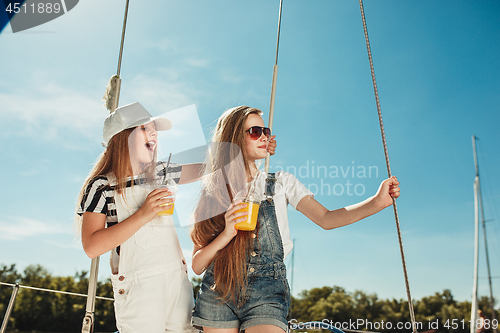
[270, 182]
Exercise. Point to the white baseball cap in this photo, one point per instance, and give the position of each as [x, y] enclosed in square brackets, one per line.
[129, 116]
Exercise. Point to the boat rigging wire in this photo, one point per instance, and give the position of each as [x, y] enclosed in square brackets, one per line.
[123, 39]
[111, 98]
[386, 153]
[54, 291]
[15, 290]
[273, 86]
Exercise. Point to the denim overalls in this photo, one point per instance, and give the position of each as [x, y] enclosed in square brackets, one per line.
[267, 295]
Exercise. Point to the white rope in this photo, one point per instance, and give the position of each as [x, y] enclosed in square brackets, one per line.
[54, 291]
[386, 153]
[111, 94]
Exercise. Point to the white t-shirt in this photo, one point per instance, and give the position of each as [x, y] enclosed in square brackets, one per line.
[288, 190]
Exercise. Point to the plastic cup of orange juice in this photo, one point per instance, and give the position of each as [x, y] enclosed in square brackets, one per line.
[170, 211]
[172, 187]
[252, 208]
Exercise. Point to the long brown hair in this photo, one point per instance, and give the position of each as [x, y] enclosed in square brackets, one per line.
[114, 160]
[230, 263]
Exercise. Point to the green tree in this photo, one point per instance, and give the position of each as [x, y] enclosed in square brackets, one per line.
[56, 312]
[196, 282]
[367, 307]
[307, 299]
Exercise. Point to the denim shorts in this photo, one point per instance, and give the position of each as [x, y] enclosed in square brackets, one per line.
[267, 301]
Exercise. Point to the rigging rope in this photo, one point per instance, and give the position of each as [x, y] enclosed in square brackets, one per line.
[111, 98]
[123, 39]
[54, 291]
[386, 153]
[112, 94]
[273, 86]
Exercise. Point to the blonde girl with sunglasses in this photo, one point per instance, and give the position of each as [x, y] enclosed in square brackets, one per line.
[244, 285]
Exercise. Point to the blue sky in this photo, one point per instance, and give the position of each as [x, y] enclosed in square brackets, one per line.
[438, 77]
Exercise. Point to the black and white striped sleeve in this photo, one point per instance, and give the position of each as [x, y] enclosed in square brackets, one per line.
[94, 197]
[174, 170]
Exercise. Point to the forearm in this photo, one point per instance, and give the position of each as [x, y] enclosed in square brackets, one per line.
[203, 257]
[97, 239]
[331, 219]
[100, 241]
[191, 173]
[350, 214]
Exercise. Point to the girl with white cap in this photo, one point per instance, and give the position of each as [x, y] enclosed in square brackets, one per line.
[150, 283]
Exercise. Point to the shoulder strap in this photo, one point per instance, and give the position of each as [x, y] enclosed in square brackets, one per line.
[270, 182]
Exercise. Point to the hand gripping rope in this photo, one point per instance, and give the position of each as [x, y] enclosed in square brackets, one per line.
[410, 304]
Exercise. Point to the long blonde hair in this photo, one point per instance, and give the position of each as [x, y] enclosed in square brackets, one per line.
[230, 263]
[114, 160]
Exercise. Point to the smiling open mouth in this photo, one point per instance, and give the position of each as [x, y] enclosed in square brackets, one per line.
[150, 145]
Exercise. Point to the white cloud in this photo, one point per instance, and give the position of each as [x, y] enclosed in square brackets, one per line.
[169, 48]
[164, 45]
[158, 94]
[45, 110]
[231, 76]
[54, 112]
[186, 131]
[17, 228]
[197, 62]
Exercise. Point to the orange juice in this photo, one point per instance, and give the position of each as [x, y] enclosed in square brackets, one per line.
[251, 222]
[167, 212]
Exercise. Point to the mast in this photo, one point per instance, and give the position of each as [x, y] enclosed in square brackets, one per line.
[473, 314]
[478, 208]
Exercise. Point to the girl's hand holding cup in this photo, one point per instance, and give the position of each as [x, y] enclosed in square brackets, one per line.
[171, 186]
[251, 208]
[160, 201]
[155, 203]
[234, 215]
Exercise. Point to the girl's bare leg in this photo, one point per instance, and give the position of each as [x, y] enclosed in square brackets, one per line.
[220, 330]
[264, 329]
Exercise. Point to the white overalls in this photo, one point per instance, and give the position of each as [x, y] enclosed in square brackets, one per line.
[151, 287]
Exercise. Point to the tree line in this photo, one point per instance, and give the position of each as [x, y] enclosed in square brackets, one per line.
[51, 312]
[360, 311]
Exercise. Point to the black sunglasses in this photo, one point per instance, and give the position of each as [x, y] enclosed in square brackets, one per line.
[256, 132]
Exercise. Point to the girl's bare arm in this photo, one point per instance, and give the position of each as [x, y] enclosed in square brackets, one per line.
[203, 256]
[330, 219]
[97, 239]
